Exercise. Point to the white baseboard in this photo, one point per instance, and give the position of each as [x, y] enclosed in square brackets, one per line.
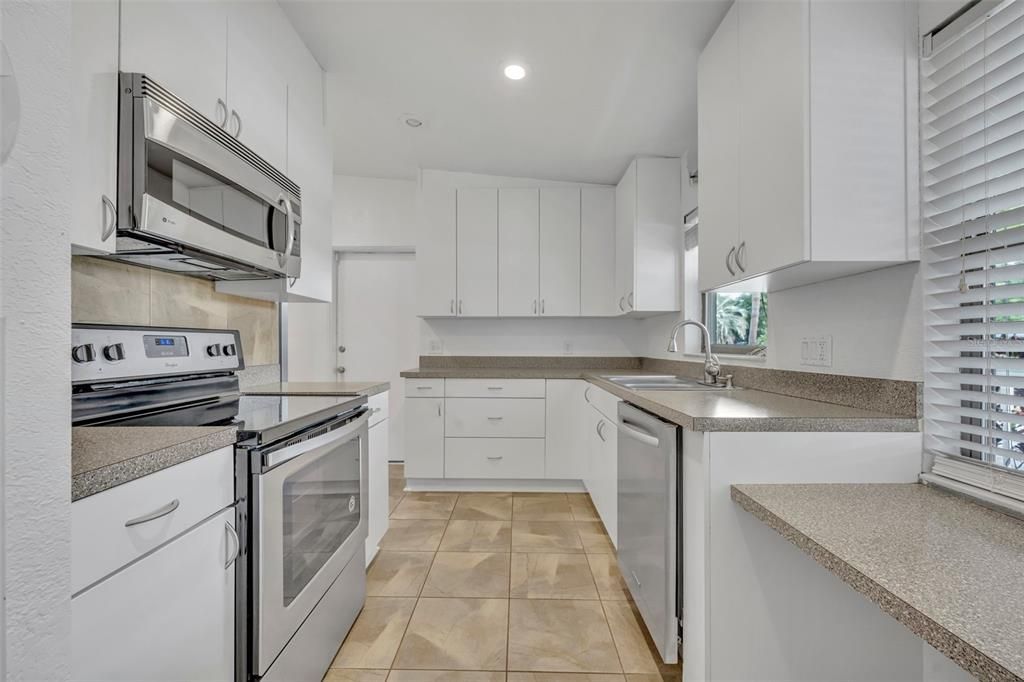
[485, 485]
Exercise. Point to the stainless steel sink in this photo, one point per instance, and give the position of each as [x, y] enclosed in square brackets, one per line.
[662, 382]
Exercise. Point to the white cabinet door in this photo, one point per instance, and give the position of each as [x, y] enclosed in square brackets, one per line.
[609, 480]
[717, 126]
[424, 438]
[168, 617]
[560, 251]
[377, 523]
[565, 437]
[94, 90]
[625, 238]
[257, 83]
[597, 252]
[658, 241]
[518, 251]
[435, 253]
[773, 43]
[477, 253]
[182, 46]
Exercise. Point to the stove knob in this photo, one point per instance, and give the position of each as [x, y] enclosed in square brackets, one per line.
[84, 353]
[213, 350]
[114, 353]
[229, 349]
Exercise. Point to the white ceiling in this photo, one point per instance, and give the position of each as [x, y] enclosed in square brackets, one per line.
[607, 81]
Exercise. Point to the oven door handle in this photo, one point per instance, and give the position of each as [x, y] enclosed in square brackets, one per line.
[274, 459]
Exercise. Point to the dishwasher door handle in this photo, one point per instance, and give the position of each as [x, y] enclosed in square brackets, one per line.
[637, 432]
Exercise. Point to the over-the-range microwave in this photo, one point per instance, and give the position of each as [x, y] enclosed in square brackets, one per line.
[194, 200]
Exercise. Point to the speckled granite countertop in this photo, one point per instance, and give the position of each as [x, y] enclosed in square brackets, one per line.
[712, 410]
[366, 388]
[103, 457]
[946, 568]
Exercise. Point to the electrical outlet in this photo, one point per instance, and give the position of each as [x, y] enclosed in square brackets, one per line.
[436, 347]
[567, 347]
[816, 351]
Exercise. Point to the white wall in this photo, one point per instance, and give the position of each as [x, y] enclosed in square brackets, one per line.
[875, 320]
[374, 212]
[36, 273]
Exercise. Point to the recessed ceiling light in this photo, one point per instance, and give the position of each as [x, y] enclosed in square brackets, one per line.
[515, 72]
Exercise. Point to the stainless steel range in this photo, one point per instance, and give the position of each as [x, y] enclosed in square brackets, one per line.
[300, 481]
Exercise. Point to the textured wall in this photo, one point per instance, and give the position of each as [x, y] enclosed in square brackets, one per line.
[36, 306]
[116, 293]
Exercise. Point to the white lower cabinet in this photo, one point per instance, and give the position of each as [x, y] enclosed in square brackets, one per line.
[377, 521]
[566, 441]
[424, 437]
[602, 476]
[512, 458]
[494, 417]
[169, 616]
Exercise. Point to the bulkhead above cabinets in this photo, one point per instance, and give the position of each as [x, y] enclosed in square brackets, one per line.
[510, 247]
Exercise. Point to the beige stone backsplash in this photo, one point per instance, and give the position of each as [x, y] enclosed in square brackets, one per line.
[109, 292]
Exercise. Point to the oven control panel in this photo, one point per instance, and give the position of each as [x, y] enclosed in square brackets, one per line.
[107, 353]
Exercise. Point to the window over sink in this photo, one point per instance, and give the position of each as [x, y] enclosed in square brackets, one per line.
[737, 321]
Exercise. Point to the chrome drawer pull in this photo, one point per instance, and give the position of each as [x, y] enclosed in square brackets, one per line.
[496, 419]
[237, 544]
[153, 515]
[495, 388]
[493, 457]
[423, 388]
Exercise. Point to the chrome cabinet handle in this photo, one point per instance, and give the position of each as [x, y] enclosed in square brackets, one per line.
[534, 306]
[153, 515]
[622, 300]
[495, 419]
[439, 409]
[460, 306]
[238, 124]
[629, 300]
[739, 256]
[586, 393]
[374, 410]
[423, 388]
[728, 258]
[495, 388]
[600, 431]
[495, 457]
[222, 112]
[542, 306]
[237, 544]
[452, 306]
[290, 212]
[108, 229]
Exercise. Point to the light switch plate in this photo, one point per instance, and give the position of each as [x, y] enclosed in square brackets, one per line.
[816, 351]
[567, 347]
[436, 347]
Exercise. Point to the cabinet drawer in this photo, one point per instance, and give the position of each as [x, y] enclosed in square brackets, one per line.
[602, 401]
[494, 388]
[494, 458]
[424, 388]
[378, 405]
[100, 541]
[494, 417]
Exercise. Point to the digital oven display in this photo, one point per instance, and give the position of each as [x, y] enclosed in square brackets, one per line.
[165, 346]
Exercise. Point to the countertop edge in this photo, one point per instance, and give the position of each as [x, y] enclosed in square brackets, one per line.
[373, 390]
[88, 483]
[964, 654]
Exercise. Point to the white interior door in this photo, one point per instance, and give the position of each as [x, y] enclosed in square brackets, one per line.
[378, 327]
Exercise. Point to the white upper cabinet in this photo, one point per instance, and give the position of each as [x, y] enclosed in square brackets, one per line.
[597, 252]
[717, 122]
[257, 80]
[648, 234]
[182, 46]
[560, 251]
[802, 177]
[477, 253]
[94, 29]
[518, 251]
[435, 252]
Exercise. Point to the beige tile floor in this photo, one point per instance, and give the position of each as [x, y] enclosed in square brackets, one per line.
[495, 587]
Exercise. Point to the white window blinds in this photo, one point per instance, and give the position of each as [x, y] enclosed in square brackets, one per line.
[972, 129]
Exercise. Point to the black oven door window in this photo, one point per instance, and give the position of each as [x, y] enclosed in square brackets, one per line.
[321, 509]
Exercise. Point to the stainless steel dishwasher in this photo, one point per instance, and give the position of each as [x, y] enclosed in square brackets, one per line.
[650, 522]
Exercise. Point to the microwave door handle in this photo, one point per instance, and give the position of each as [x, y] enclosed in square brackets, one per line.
[282, 199]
